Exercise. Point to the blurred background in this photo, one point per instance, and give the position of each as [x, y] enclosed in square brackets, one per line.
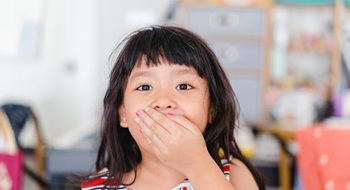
[287, 60]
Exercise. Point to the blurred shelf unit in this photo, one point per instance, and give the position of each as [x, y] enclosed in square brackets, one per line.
[305, 60]
[305, 45]
[312, 2]
[239, 36]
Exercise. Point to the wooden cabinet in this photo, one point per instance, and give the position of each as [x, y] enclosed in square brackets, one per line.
[239, 38]
[245, 39]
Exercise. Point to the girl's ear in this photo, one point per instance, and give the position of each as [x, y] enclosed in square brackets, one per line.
[122, 116]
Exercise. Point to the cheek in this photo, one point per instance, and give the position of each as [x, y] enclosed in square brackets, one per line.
[200, 119]
[134, 130]
[130, 119]
[130, 110]
[205, 118]
[203, 126]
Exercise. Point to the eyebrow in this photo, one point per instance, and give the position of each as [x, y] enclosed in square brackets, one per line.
[141, 74]
[186, 72]
[150, 73]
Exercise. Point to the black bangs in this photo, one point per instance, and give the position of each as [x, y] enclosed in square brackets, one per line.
[175, 45]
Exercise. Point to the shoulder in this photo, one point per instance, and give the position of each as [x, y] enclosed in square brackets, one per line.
[240, 176]
[98, 181]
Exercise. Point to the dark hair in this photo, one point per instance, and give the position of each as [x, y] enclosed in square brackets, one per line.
[118, 150]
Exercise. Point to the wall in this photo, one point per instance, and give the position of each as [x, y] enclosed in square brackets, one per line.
[118, 18]
[65, 84]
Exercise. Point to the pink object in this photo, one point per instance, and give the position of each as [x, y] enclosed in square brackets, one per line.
[138, 112]
[11, 171]
[323, 159]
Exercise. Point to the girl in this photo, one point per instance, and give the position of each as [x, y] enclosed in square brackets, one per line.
[169, 111]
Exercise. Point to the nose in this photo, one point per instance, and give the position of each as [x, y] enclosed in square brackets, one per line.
[164, 101]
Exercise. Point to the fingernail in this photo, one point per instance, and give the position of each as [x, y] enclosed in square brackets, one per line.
[170, 115]
[146, 109]
[138, 112]
[141, 131]
[137, 120]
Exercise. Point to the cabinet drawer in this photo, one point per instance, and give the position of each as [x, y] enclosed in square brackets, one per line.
[233, 54]
[245, 21]
[248, 91]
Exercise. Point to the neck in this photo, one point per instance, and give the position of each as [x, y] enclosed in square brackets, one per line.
[152, 174]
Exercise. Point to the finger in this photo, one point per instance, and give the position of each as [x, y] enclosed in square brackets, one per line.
[151, 125]
[162, 119]
[183, 121]
[152, 139]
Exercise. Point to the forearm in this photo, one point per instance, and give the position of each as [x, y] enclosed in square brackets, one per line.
[205, 174]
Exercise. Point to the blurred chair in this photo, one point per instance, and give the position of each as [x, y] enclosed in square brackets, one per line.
[18, 115]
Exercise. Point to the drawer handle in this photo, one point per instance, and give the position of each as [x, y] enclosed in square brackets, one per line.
[230, 54]
[224, 20]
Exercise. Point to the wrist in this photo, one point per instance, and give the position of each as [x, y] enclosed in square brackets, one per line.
[206, 174]
[201, 165]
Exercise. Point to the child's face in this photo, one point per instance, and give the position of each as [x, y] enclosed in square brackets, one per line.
[168, 88]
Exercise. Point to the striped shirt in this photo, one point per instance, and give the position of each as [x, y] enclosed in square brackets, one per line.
[98, 180]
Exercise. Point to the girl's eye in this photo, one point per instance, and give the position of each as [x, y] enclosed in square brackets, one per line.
[144, 87]
[184, 87]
